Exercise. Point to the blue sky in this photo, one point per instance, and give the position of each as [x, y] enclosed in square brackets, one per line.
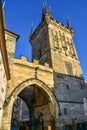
[20, 13]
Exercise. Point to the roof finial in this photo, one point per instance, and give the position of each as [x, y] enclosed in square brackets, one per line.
[50, 9]
[44, 3]
[44, 7]
[68, 23]
[46, 11]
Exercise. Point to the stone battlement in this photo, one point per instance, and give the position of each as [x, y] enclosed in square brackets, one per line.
[34, 64]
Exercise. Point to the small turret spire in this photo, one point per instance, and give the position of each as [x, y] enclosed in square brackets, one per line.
[50, 11]
[46, 10]
[44, 4]
[32, 28]
[4, 4]
[68, 23]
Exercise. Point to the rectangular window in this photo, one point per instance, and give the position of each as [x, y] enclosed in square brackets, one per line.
[69, 68]
[65, 111]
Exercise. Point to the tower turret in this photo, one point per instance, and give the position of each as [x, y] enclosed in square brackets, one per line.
[46, 11]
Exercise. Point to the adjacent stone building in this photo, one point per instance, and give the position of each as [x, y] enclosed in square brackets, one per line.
[4, 67]
[20, 113]
[3, 81]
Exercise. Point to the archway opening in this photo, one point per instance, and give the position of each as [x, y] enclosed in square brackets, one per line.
[38, 109]
[20, 114]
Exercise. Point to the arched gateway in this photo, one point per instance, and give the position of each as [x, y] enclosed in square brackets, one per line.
[23, 75]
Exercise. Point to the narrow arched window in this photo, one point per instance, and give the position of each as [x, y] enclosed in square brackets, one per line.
[69, 68]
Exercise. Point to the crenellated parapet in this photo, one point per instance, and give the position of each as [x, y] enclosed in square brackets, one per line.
[23, 61]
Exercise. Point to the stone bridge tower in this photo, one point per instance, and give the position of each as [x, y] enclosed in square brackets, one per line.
[52, 42]
[54, 77]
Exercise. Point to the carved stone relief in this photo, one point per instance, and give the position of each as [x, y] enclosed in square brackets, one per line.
[71, 48]
[55, 40]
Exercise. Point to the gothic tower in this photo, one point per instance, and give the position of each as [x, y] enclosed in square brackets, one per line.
[52, 42]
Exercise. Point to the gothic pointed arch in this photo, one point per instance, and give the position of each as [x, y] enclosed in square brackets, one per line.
[28, 82]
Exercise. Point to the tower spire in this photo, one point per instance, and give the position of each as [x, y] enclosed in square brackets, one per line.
[32, 28]
[68, 23]
[44, 4]
[4, 4]
[46, 10]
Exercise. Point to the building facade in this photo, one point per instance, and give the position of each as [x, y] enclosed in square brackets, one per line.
[2, 86]
[20, 113]
[16, 112]
[4, 67]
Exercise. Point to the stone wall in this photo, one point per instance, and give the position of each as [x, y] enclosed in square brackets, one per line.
[40, 46]
[23, 74]
[69, 92]
[73, 110]
[69, 85]
[2, 86]
[11, 39]
[46, 114]
[63, 50]
[69, 88]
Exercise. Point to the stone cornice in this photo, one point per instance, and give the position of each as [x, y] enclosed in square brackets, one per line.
[37, 30]
[53, 22]
[11, 34]
[61, 26]
[34, 65]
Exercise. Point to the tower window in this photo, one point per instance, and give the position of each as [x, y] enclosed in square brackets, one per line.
[65, 111]
[69, 68]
